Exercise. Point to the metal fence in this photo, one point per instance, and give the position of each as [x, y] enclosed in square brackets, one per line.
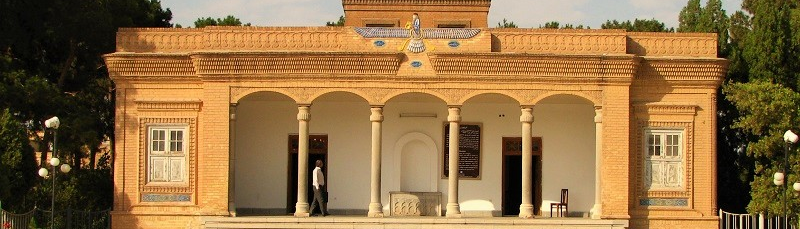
[66, 219]
[729, 220]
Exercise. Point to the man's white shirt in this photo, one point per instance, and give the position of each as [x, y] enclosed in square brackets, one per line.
[319, 178]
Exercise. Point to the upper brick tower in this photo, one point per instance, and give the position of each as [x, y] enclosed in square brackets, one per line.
[433, 13]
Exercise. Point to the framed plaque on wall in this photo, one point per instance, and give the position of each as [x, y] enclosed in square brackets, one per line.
[469, 151]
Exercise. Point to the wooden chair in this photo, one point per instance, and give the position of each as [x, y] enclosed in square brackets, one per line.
[562, 207]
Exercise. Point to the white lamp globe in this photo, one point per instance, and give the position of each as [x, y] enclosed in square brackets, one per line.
[65, 168]
[778, 178]
[790, 137]
[55, 161]
[43, 172]
[796, 186]
[52, 122]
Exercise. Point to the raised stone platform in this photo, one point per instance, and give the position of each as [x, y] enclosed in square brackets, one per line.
[406, 222]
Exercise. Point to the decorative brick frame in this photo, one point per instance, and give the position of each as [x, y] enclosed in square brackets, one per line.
[684, 121]
[189, 189]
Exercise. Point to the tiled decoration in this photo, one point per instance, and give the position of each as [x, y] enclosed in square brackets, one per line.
[664, 202]
[379, 43]
[149, 197]
[431, 33]
[453, 44]
[416, 64]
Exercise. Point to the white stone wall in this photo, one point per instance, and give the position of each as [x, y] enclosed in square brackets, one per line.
[409, 144]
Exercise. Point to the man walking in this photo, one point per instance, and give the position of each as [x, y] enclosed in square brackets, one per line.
[319, 189]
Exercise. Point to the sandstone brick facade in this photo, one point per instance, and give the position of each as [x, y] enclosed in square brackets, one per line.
[192, 76]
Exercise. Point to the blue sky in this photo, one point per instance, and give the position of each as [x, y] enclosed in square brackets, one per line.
[525, 13]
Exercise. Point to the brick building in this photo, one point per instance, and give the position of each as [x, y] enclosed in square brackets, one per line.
[227, 121]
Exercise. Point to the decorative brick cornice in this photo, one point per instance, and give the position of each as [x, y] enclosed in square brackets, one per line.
[567, 41]
[168, 105]
[600, 68]
[673, 44]
[149, 66]
[666, 109]
[211, 65]
[682, 71]
[420, 2]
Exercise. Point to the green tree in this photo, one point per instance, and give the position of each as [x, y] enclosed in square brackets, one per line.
[506, 24]
[638, 25]
[51, 65]
[764, 89]
[17, 164]
[229, 20]
[689, 18]
[557, 25]
[340, 22]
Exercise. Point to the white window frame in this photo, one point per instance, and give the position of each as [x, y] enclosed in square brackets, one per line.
[664, 160]
[167, 163]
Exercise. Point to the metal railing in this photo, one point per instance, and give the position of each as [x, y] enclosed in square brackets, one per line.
[67, 219]
[729, 220]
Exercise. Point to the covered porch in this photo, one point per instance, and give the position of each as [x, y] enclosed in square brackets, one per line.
[407, 222]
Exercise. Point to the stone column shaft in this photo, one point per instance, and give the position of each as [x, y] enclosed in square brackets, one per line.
[232, 161]
[526, 208]
[597, 209]
[375, 205]
[301, 208]
[453, 208]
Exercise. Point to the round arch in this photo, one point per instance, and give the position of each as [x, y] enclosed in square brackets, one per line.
[429, 143]
[237, 97]
[588, 98]
[475, 95]
[328, 91]
[399, 93]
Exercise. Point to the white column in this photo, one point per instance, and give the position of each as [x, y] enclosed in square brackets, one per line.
[301, 208]
[526, 208]
[375, 206]
[454, 117]
[232, 161]
[597, 209]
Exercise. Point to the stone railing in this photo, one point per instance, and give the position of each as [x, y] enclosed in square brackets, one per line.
[562, 41]
[171, 40]
[416, 203]
[673, 44]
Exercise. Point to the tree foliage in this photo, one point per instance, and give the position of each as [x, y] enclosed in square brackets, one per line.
[51, 65]
[506, 24]
[340, 22]
[229, 20]
[638, 25]
[763, 88]
[17, 163]
[557, 25]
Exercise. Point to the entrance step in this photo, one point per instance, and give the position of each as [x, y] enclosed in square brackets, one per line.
[405, 222]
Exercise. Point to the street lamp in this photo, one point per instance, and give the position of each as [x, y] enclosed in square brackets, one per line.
[54, 162]
[779, 178]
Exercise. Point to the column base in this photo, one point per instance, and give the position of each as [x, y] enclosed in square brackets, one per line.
[453, 210]
[596, 211]
[526, 211]
[375, 210]
[302, 210]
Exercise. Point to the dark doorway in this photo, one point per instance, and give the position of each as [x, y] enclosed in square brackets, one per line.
[512, 175]
[317, 150]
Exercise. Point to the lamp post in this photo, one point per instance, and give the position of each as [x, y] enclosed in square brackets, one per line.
[779, 178]
[54, 162]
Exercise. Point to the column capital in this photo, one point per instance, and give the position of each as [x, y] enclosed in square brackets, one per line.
[303, 113]
[232, 111]
[598, 114]
[527, 115]
[454, 114]
[377, 114]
